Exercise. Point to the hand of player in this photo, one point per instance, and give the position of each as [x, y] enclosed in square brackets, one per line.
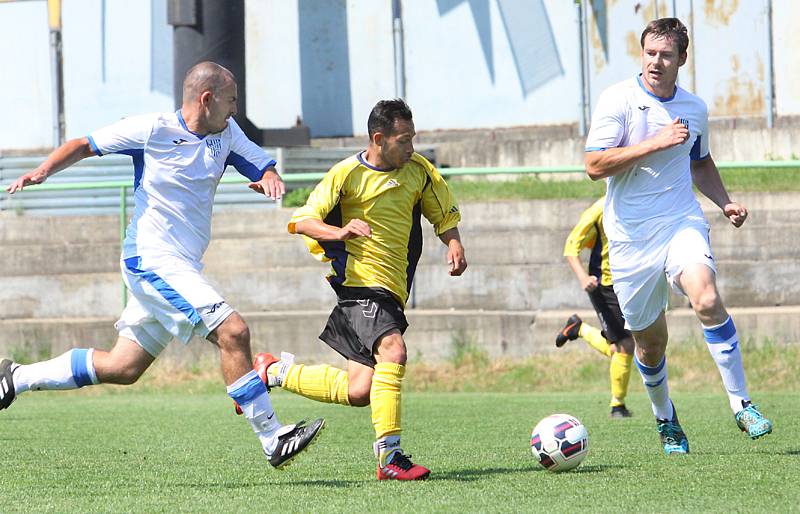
[589, 284]
[456, 261]
[354, 228]
[673, 134]
[36, 176]
[270, 185]
[735, 212]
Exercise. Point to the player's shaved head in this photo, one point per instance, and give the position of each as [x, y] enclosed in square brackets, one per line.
[206, 76]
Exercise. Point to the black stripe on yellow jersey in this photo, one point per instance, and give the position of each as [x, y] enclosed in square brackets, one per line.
[392, 202]
[589, 233]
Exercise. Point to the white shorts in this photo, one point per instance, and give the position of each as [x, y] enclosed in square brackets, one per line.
[170, 299]
[643, 271]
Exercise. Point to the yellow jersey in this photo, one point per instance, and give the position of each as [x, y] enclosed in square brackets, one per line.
[589, 233]
[390, 202]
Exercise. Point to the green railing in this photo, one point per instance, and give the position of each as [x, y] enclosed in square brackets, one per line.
[303, 177]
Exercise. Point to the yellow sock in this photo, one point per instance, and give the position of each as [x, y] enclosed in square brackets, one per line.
[384, 397]
[321, 382]
[620, 371]
[595, 339]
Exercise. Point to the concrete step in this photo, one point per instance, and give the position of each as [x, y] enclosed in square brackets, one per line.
[491, 287]
[540, 246]
[502, 216]
[433, 335]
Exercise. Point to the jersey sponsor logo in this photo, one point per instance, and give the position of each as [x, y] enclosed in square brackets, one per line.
[179, 141]
[454, 209]
[215, 146]
[709, 257]
[644, 107]
[392, 183]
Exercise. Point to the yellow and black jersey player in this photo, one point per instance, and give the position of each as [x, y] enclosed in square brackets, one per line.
[365, 218]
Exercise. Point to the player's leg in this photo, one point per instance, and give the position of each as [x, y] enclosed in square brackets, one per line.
[637, 269]
[621, 346]
[691, 268]
[393, 464]
[320, 382]
[78, 367]
[280, 443]
[722, 340]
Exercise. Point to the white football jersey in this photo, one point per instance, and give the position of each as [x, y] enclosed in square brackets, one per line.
[176, 173]
[656, 191]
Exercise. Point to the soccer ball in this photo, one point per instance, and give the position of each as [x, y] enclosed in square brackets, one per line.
[560, 442]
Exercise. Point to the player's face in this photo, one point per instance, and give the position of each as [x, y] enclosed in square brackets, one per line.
[660, 63]
[221, 107]
[398, 147]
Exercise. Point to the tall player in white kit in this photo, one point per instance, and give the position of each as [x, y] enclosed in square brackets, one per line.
[179, 158]
[649, 138]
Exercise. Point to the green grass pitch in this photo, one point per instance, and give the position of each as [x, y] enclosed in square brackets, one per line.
[169, 451]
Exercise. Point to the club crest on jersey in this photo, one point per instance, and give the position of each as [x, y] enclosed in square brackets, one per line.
[685, 122]
[215, 145]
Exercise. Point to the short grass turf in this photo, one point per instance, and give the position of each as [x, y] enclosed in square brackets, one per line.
[170, 451]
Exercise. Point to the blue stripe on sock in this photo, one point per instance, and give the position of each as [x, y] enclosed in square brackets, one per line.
[648, 384]
[248, 391]
[720, 334]
[647, 370]
[80, 373]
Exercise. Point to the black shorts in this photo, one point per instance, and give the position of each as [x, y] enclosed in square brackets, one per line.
[607, 308]
[361, 316]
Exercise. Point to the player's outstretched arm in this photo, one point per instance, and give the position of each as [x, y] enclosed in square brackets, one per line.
[456, 261]
[321, 231]
[612, 161]
[705, 176]
[62, 157]
[271, 185]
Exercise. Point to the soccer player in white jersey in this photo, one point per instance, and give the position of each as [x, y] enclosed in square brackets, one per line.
[649, 139]
[178, 158]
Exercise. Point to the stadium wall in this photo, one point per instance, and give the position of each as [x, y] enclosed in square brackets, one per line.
[469, 64]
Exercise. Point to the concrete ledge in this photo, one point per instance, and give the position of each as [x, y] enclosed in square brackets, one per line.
[432, 336]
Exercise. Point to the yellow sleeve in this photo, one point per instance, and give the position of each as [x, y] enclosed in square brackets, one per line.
[322, 199]
[438, 203]
[584, 233]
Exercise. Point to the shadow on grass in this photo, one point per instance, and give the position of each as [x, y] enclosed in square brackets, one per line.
[792, 453]
[466, 475]
[334, 484]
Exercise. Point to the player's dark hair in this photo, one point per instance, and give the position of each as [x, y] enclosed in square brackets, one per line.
[385, 113]
[670, 28]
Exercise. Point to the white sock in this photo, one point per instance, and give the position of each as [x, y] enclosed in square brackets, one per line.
[70, 370]
[723, 344]
[252, 396]
[655, 381]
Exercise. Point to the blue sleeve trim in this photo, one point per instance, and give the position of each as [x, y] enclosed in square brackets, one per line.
[270, 164]
[594, 149]
[248, 391]
[80, 373]
[245, 167]
[94, 146]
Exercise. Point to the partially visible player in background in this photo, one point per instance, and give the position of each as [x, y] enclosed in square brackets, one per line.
[649, 138]
[364, 217]
[614, 341]
[178, 158]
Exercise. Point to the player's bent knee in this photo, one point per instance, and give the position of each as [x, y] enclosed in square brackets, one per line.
[358, 392]
[233, 332]
[392, 348]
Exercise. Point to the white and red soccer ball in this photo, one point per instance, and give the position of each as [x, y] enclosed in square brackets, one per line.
[560, 442]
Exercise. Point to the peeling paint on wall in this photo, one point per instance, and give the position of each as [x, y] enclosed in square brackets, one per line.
[719, 12]
[742, 96]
